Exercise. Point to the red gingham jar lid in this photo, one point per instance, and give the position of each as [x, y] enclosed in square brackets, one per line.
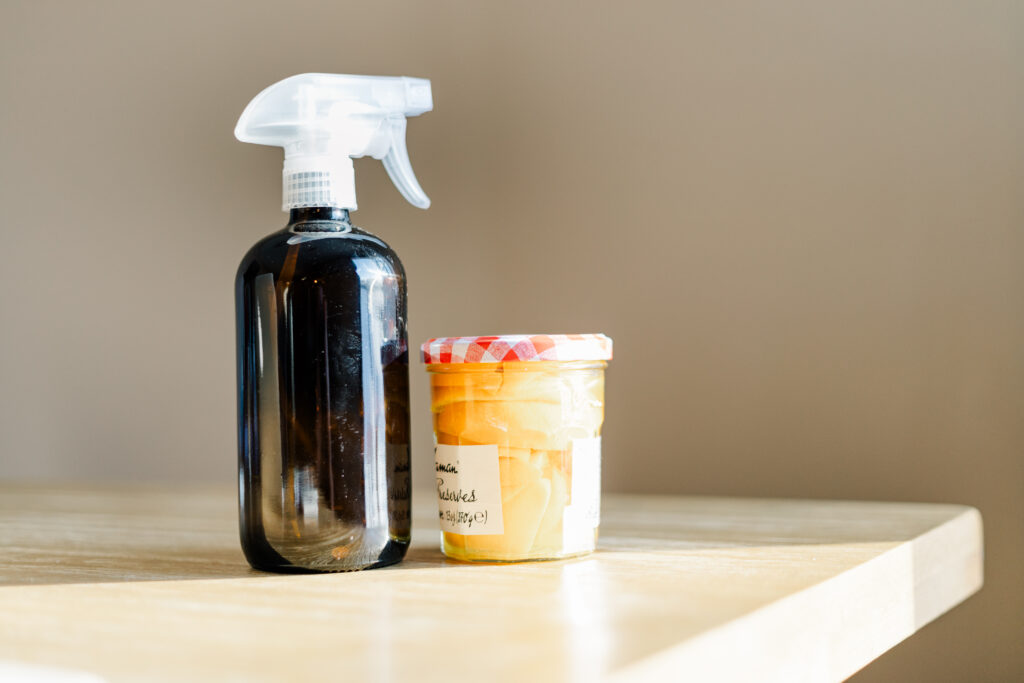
[517, 347]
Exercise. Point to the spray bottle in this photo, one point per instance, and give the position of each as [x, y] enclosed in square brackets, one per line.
[323, 363]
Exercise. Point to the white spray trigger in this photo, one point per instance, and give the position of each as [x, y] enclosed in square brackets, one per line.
[396, 163]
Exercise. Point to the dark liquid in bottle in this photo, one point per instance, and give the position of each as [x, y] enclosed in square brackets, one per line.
[323, 391]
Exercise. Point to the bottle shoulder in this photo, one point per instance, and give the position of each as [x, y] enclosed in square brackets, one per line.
[319, 251]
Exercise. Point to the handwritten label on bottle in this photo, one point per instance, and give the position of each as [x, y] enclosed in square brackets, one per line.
[468, 489]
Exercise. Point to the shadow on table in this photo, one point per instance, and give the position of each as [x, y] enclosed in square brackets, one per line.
[38, 567]
[70, 534]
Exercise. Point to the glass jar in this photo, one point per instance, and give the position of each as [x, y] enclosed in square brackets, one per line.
[517, 429]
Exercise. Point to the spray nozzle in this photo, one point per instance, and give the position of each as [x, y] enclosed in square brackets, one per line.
[323, 121]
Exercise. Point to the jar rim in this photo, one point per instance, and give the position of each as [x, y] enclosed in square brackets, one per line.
[516, 347]
[518, 366]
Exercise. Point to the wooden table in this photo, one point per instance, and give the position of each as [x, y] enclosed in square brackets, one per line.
[149, 584]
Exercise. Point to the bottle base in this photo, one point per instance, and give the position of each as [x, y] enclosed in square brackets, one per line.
[392, 553]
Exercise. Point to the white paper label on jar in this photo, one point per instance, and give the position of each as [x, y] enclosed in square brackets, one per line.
[468, 489]
[583, 514]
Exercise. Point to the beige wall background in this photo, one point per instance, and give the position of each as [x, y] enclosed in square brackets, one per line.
[801, 222]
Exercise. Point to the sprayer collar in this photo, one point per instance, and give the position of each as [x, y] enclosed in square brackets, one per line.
[318, 181]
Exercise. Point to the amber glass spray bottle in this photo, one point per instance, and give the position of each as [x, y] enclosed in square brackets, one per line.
[323, 362]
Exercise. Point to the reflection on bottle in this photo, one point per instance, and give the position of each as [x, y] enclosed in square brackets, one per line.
[375, 284]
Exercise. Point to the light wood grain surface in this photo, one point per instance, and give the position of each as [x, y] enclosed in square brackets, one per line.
[139, 583]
